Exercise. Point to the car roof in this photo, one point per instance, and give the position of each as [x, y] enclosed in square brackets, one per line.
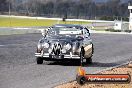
[68, 25]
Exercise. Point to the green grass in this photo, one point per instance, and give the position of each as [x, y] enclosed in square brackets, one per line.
[24, 22]
[19, 22]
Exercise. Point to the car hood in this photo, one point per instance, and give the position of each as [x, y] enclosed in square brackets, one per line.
[63, 39]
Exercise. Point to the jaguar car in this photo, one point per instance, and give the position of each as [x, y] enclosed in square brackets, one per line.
[64, 43]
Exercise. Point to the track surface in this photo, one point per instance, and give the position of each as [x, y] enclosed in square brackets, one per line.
[18, 68]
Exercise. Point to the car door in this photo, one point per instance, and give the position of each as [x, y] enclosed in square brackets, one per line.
[86, 36]
[87, 42]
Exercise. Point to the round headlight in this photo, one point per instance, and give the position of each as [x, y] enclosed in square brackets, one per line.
[46, 45]
[63, 51]
[74, 48]
[50, 51]
[67, 46]
[39, 46]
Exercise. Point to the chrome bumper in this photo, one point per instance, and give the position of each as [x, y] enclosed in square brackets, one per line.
[47, 55]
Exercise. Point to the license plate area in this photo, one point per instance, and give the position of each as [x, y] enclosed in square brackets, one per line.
[56, 56]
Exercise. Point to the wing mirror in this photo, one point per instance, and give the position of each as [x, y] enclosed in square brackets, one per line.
[88, 34]
[44, 32]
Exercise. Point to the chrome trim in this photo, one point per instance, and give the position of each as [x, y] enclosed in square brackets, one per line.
[46, 55]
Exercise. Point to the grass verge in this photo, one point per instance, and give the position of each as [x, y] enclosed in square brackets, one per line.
[25, 22]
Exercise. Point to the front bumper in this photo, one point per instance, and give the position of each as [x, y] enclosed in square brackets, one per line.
[65, 56]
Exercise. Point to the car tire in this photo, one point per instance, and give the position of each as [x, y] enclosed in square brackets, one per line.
[92, 48]
[82, 53]
[89, 60]
[39, 60]
[81, 60]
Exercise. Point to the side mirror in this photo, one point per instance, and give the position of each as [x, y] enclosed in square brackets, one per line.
[44, 32]
[88, 34]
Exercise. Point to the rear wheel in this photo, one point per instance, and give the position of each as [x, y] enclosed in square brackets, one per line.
[39, 60]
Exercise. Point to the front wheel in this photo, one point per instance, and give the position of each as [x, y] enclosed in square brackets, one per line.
[39, 60]
[82, 53]
[89, 60]
[81, 59]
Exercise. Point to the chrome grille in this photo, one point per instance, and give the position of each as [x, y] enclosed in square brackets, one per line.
[57, 48]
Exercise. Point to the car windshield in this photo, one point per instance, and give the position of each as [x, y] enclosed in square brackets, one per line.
[64, 31]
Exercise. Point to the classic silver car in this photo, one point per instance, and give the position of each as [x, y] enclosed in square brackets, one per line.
[65, 42]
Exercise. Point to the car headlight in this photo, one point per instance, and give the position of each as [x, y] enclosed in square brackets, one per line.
[39, 46]
[46, 45]
[74, 48]
[67, 46]
[63, 51]
[50, 50]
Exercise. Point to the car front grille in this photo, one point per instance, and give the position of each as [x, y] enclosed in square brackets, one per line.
[57, 48]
